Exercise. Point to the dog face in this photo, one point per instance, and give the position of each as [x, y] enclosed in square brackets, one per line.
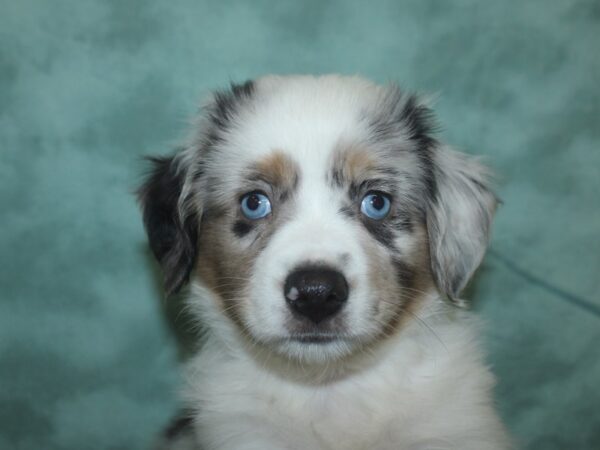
[318, 212]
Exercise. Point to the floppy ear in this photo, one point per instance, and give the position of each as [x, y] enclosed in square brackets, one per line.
[171, 233]
[459, 220]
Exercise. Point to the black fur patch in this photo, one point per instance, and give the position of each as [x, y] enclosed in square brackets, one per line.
[180, 424]
[224, 107]
[241, 228]
[419, 121]
[380, 230]
[405, 274]
[172, 242]
[403, 222]
[404, 114]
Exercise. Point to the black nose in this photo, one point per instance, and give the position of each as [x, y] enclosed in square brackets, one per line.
[316, 293]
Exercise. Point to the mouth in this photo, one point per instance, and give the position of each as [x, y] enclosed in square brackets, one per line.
[314, 338]
[315, 347]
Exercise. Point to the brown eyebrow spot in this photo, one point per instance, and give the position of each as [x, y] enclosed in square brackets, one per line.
[277, 169]
[358, 162]
[351, 163]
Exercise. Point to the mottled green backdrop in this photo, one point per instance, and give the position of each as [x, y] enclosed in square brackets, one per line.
[87, 358]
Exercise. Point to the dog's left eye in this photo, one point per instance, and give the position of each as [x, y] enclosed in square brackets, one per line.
[255, 205]
[375, 205]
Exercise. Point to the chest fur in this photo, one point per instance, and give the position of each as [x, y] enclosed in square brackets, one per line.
[366, 411]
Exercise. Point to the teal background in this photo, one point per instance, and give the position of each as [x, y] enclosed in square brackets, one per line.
[87, 352]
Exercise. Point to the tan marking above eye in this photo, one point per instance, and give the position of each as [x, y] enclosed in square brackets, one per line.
[357, 163]
[352, 162]
[277, 169]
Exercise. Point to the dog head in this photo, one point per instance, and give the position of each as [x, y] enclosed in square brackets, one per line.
[316, 212]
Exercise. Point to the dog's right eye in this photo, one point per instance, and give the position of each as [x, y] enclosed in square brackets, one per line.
[255, 205]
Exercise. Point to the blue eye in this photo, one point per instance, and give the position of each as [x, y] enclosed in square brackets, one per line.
[375, 205]
[255, 205]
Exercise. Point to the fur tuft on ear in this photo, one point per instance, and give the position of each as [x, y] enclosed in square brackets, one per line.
[172, 235]
[459, 220]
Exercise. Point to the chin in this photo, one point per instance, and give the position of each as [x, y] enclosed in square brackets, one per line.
[327, 235]
[316, 350]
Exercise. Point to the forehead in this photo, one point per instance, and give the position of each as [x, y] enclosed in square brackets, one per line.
[316, 123]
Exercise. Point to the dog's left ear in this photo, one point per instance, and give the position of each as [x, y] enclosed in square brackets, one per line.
[459, 219]
[172, 233]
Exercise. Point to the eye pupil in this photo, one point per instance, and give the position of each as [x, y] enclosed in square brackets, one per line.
[253, 202]
[378, 202]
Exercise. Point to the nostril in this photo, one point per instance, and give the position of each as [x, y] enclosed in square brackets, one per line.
[316, 293]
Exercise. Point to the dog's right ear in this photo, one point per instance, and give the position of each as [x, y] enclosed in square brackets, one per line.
[172, 233]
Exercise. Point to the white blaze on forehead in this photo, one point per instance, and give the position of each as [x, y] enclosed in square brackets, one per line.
[302, 116]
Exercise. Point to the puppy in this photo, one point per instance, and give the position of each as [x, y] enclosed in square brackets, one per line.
[327, 236]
